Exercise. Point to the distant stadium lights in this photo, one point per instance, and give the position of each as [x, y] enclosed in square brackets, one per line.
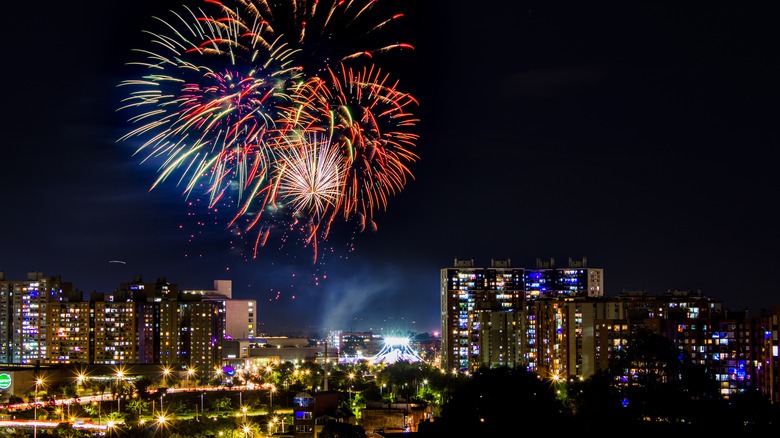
[396, 341]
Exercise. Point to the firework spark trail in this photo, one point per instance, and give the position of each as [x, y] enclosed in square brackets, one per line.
[244, 101]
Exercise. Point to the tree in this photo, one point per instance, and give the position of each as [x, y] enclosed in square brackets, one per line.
[335, 429]
[223, 403]
[141, 385]
[657, 380]
[481, 405]
[69, 391]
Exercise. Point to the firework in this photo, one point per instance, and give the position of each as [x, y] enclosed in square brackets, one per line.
[310, 175]
[368, 120]
[275, 106]
[208, 99]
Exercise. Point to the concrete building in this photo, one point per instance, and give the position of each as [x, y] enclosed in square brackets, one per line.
[24, 304]
[478, 302]
[43, 320]
[240, 315]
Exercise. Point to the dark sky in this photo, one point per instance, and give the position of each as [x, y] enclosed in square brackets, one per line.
[639, 134]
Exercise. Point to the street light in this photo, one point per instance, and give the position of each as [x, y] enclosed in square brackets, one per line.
[38, 382]
[243, 409]
[161, 424]
[98, 404]
[166, 372]
[110, 425]
[119, 375]
[271, 395]
[190, 372]
[80, 379]
[276, 420]
[419, 390]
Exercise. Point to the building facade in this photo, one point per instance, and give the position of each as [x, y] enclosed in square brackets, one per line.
[481, 306]
[24, 316]
[45, 321]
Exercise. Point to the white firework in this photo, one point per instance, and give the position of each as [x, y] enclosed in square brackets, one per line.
[311, 174]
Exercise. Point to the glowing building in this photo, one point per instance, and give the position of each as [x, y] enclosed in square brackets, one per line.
[240, 316]
[466, 292]
[44, 320]
[768, 354]
[69, 332]
[487, 317]
[124, 332]
[23, 316]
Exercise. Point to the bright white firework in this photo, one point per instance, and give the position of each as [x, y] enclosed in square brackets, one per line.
[311, 174]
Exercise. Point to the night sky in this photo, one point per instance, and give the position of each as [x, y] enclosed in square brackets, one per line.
[639, 134]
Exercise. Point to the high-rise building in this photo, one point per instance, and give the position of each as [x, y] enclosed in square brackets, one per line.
[558, 324]
[69, 332]
[240, 316]
[44, 320]
[477, 302]
[768, 353]
[124, 332]
[466, 292]
[576, 280]
[23, 316]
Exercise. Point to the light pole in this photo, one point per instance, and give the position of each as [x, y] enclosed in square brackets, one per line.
[166, 371]
[276, 420]
[190, 372]
[80, 379]
[422, 386]
[352, 379]
[202, 412]
[99, 404]
[160, 424]
[119, 375]
[271, 395]
[109, 426]
[38, 382]
[243, 409]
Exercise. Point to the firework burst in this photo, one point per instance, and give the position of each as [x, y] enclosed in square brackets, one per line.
[368, 120]
[310, 175]
[243, 100]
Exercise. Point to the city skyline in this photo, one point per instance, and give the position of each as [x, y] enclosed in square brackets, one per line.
[638, 136]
